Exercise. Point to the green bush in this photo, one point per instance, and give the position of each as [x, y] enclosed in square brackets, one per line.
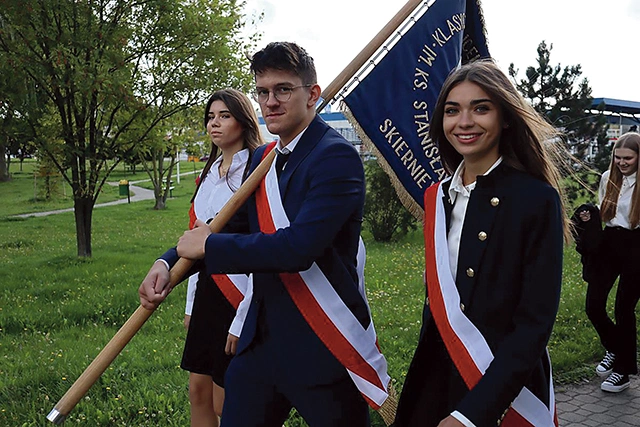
[384, 215]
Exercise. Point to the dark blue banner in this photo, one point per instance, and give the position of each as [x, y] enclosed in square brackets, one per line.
[393, 103]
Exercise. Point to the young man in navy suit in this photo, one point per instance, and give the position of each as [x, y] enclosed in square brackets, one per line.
[307, 340]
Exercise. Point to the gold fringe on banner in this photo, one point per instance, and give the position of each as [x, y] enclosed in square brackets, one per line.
[388, 409]
[465, 57]
[412, 206]
[482, 21]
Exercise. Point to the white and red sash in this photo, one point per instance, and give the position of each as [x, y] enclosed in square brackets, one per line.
[354, 346]
[465, 344]
[232, 286]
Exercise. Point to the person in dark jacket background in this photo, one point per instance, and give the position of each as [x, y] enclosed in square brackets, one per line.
[587, 228]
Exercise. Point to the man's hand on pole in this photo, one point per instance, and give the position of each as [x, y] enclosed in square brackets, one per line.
[155, 286]
[191, 244]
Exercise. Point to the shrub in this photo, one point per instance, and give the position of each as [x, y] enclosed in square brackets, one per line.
[384, 215]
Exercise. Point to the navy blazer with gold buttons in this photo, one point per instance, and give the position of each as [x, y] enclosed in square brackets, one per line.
[509, 275]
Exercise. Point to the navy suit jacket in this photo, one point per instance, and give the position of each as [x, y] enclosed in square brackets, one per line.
[322, 188]
[509, 284]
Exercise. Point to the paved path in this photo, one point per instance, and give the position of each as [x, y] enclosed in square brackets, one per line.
[585, 405]
[137, 194]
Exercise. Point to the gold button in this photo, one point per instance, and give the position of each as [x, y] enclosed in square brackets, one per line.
[470, 272]
[482, 236]
[462, 306]
[495, 201]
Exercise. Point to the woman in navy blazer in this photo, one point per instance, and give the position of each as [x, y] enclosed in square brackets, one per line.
[501, 227]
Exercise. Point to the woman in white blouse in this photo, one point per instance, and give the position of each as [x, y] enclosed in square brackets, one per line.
[231, 123]
[619, 258]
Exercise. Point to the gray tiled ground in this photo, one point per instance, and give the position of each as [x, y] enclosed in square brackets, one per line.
[585, 405]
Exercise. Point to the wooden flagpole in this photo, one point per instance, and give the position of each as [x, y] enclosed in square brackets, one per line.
[140, 316]
[356, 63]
[91, 374]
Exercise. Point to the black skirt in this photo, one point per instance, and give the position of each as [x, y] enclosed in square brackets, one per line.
[211, 318]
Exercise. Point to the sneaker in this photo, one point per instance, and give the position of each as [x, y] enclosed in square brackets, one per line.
[605, 367]
[615, 383]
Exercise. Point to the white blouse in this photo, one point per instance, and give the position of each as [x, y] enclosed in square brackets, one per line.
[216, 190]
[621, 219]
[213, 194]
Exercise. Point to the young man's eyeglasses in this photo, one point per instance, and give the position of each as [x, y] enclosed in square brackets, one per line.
[281, 93]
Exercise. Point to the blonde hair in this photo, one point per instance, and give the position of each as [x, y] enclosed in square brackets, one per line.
[630, 140]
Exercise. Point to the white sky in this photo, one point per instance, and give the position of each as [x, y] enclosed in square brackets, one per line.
[602, 36]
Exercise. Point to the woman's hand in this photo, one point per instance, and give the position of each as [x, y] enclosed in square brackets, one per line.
[232, 345]
[585, 216]
[187, 321]
[450, 421]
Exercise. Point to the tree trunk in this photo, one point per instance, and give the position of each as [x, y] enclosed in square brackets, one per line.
[4, 170]
[161, 203]
[83, 209]
[159, 195]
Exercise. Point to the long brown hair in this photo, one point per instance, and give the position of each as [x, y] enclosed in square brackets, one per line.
[241, 109]
[528, 143]
[630, 140]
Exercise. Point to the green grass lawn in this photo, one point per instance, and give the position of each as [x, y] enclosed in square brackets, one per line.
[26, 190]
[57, 312]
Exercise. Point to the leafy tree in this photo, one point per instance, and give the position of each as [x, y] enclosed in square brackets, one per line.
[559, 95]
[152, 157]
[6, 116]
[49, 180]
[113, 70]
[384, 214]
[171, 137]
[19, 101]
[603, 158]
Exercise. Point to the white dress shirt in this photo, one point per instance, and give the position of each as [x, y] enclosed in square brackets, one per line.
[216, 190]
[290, 146]
[621, 219]
[459, 195]
[213, 194]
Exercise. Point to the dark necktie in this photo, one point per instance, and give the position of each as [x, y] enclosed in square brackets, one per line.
[281, 159]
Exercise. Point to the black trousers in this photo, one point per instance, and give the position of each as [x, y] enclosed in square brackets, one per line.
[619, 258]
[260, 392]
